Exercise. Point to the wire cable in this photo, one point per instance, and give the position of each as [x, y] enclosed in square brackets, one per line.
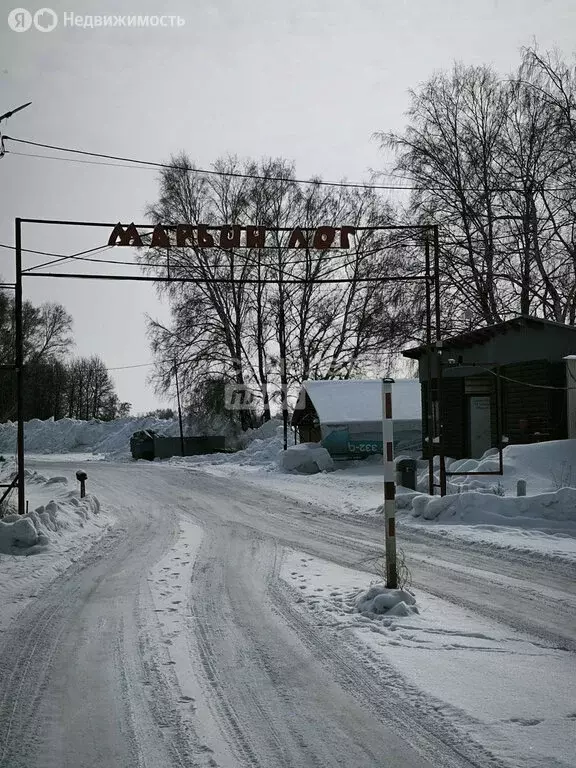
[507, 378]
[236, 174]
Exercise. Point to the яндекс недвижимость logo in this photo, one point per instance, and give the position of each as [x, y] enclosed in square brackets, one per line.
[21, 20]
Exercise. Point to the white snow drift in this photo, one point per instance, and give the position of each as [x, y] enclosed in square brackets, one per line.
[73, 435]
[307, 458]
[32, 533]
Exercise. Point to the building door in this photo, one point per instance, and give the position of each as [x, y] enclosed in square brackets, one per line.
[479, 425]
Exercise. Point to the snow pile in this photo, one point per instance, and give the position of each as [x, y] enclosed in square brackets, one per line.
[379, 600]
[269, 430]
[33, 533]
[548, 512]
[546, 467]
[261, 449]
[74, 435]
[306, 458]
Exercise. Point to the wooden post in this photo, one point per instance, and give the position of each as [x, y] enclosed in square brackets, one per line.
[389, 484]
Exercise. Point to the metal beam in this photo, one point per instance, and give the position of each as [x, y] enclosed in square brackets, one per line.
[231, 280]
[19, 362]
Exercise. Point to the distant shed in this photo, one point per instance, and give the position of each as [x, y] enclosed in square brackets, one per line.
[346, 416]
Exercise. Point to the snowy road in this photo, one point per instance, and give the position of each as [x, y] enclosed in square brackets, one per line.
[175, 642]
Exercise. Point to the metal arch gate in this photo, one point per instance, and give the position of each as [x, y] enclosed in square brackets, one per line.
[431, 278]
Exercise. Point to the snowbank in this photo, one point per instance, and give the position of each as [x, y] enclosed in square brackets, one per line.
[548, 512]
[545, 466]
[58, 530]
[73, 435]
[307, 458]
[261, 450]
[34, 532]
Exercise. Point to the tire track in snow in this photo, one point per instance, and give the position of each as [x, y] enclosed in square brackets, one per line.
[268, 683]
[74, 692]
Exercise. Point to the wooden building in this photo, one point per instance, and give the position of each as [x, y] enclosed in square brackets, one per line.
[506, 381]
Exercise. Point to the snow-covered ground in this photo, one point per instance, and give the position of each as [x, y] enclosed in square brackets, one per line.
[36, 548]
[495, 684]
[215, 609]
[478, 508]
[481, 508]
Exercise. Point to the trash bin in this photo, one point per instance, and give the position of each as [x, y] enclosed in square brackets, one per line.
[406, 473]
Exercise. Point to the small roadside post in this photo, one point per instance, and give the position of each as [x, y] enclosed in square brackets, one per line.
[81, 476]
[389, 484]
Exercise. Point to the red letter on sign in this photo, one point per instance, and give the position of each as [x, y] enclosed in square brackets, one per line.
[255, 237]
[184, 232]
[345, 233]
[297, 239]
[205, 239]
[128, 236]
[160, 237]
[324, 237]
[230, 237]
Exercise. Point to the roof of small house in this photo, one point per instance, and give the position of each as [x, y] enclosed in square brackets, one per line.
[357, 400]
[480, 336]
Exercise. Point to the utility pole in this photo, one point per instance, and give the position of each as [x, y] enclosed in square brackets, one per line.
[179, 408]
[19, 363]
[19, 341]
[389, 484]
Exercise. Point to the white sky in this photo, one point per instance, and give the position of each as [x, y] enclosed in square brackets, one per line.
[309, 80]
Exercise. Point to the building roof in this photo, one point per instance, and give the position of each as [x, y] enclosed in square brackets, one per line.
[480, 336]
[358, 400]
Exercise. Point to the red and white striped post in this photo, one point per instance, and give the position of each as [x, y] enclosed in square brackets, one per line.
[389, 484]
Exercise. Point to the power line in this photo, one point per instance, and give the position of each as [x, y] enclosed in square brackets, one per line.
[138, 365]
[204, 171]
[152, 168]
[514, 381]
[235, 174]
[76, 160]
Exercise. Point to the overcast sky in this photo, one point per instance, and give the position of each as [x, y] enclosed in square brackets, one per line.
[309, 80]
